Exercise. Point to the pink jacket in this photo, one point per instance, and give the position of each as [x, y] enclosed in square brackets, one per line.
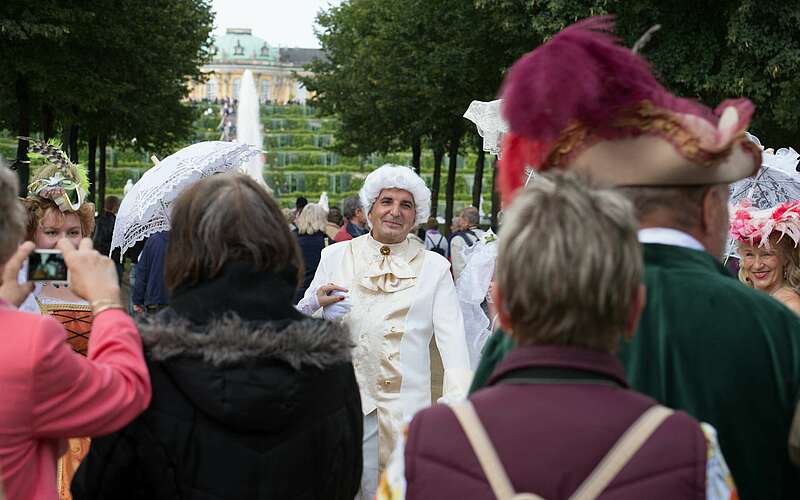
[49, 393]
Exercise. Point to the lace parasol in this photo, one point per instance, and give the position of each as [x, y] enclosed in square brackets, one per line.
[145, 208]
[776, 182]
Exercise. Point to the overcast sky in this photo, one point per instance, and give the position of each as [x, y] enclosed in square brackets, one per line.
[288, 23]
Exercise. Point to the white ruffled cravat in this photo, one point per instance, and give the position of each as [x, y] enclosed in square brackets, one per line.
[388, 269]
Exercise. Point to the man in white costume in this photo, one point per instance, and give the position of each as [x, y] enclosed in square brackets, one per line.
[398, 297]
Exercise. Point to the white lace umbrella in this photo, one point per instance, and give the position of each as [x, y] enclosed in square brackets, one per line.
[777, 181]
[145, 208]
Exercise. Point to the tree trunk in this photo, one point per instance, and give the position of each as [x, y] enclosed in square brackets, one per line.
[91, 168]
[48, 122]
[438, 155]
[477, 183]
[101, 175]
[450, 190]
[22, 164]
[73, 142]
[416, 155]
[495, 196]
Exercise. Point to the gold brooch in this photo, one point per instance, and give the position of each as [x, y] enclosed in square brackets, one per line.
[385, 250]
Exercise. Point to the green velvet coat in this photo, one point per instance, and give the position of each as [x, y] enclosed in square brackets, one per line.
[725, 353]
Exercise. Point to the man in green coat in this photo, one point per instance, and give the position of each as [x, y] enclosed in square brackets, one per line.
[707, 344]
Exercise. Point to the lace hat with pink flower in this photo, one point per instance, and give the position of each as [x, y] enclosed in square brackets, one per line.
[753, 226]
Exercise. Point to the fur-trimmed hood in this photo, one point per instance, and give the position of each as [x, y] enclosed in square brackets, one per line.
[253, 376]
[232, 340]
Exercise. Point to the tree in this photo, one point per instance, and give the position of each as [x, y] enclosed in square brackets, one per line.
[705, 50]
[400, 71]
[30, 39]
[110, 81]
[367, 79]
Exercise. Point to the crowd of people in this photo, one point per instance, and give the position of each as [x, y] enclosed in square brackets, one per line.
[327, 354]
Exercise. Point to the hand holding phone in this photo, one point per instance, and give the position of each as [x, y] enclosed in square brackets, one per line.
[10, 290]
[91, 276]
[47, 265]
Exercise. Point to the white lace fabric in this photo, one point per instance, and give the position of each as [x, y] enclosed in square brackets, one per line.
[473, 288]
[491, 125]
[145, 208]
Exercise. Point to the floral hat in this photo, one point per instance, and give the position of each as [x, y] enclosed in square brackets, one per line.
[59, 179]
[583, 102]
[755, 226]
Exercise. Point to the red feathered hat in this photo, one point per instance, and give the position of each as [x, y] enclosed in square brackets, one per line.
[585, 103]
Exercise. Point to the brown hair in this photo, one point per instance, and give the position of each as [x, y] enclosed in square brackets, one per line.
[227, 218]
[12, 220]
[38, 208]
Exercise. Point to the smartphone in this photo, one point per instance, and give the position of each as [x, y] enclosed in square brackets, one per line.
[47, 265]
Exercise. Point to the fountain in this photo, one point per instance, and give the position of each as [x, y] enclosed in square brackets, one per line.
[248, 126]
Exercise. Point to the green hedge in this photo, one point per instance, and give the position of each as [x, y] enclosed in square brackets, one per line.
[294, 141]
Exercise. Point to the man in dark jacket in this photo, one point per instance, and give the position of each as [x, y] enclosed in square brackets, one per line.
[355, 221]
[149, 293]
[104, 231]
[559, 402]
[707, 344]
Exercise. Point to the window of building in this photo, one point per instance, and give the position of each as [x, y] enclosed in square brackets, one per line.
[238, 49]
[265, 50]
[264, 90]
[296, 181]
[211, 89]
[236, 84]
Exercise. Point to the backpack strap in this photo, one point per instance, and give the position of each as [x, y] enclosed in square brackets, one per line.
[620, 454]
[487, 456]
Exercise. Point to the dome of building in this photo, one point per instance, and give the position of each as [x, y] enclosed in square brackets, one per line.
[239, 44]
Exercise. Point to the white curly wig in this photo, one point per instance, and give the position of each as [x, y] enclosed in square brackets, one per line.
[396, 177]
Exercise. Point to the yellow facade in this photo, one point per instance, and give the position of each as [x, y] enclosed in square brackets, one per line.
[273, 69]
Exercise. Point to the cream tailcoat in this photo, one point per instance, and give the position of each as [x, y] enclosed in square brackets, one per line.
[402, 296]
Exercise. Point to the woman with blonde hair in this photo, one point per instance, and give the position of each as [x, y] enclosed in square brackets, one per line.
[312, 239]
[767, 244]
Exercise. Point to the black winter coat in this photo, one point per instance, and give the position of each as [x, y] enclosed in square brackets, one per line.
[311, 246]
[259, 405]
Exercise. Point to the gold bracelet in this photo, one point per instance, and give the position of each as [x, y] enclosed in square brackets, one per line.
[99, 306]
[97, 311]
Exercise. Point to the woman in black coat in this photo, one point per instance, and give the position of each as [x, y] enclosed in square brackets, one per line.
[312, 239]
[251, 399]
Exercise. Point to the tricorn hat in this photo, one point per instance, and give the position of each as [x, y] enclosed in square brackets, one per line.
[582, 102]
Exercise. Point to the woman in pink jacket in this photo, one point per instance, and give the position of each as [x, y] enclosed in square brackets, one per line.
[49, 393]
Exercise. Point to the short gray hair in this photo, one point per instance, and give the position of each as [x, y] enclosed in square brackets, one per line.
[683, 205]
[350, 206]
[13, 220]
[569, 263]
[471, 215]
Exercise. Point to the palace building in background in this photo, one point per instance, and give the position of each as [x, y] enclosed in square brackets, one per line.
[273, 68]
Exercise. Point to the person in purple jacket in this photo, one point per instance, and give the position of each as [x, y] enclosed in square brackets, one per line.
[557, 418]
